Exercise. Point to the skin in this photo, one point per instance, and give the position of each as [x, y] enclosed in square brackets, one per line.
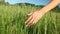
[36, 15]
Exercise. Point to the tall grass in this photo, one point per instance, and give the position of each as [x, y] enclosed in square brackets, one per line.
[12, 21]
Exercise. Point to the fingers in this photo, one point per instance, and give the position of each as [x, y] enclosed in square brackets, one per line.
[30, 22]
[28, 19]
[30, 14]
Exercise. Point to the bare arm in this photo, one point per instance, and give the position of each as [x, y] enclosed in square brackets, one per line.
[50, 6]
[35, 16]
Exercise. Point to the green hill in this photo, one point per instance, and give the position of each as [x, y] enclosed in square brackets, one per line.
[13, 17]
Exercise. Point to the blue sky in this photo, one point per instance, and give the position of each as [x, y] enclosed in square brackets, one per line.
[37, 2]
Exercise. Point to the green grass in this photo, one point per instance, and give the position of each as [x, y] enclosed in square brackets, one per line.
[12, 21]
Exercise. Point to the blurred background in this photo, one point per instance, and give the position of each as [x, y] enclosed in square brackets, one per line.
[13, 14]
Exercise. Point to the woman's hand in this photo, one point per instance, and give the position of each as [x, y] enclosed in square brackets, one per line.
[33, 18]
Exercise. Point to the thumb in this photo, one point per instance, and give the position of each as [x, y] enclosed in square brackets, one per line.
[30, 14]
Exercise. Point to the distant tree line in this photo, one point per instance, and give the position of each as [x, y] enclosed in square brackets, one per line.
[25, 4]
[2, 2]
[21, 4]
[28, 4]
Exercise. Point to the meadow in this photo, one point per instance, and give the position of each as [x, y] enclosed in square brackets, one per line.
[13, 17]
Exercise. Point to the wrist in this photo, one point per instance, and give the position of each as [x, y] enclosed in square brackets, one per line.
[42, 12]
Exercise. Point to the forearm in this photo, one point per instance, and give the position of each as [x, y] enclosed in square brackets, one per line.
[49, 6]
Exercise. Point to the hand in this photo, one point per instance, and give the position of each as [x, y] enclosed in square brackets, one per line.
[33, 18]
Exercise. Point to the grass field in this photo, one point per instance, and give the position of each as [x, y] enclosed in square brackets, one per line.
[12, 21]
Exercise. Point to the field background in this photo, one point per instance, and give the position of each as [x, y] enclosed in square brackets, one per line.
[13, 17]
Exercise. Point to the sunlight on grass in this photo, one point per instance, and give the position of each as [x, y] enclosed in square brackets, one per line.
[12, 21]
